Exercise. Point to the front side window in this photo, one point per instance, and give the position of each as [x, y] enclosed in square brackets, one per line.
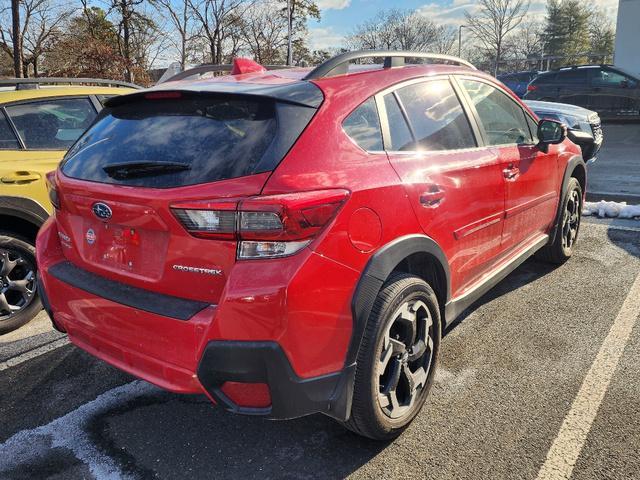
[8, 140]
[436, 116]
[503, 120]
[608, 78]
[363, 126]
[52, 124]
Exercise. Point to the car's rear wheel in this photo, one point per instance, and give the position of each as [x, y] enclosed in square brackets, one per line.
[19, 300]
[566, 233]
[397, 358]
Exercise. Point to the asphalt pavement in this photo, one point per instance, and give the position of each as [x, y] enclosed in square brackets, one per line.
[540, 379]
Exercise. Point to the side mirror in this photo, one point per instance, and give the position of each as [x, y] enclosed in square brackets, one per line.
[550, 132]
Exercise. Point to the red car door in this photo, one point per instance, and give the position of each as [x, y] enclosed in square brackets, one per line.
[455, 187]
[531, 184]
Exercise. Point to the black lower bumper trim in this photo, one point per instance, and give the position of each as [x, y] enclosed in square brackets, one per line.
[46, 305]
[152, 302]
[265, 362]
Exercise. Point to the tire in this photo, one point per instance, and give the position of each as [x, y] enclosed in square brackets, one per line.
[19, 298]
[566, 233]
[405, 313]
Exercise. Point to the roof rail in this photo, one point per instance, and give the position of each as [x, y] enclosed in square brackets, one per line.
[339, 65]
[208, 67]
[30, 83]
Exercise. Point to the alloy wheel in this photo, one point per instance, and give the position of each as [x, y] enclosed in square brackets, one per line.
[571, 219]
[405, 359]
[17, 283]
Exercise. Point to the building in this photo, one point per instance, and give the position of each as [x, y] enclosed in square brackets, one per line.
[627, 53]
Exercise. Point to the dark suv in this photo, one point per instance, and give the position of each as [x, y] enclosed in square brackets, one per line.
[607, 90]
[296, 241]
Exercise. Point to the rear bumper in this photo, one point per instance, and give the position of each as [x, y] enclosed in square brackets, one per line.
[245, 339]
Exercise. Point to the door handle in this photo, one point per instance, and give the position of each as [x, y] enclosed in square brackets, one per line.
[432, 198]
[511, 172]
[21, 177]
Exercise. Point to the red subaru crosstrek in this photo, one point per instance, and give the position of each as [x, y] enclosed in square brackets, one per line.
[296, 241]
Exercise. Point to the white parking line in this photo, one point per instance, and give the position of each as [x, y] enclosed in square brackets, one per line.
[566, 448]
[36, 352]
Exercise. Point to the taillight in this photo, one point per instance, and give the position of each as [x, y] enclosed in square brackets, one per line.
[531, 88]
[266, 226]
[52, 188]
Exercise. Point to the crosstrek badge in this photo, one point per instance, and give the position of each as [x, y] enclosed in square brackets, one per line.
[90, 236]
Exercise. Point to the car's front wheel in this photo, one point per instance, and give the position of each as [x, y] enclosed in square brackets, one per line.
[397, 358]
[566, 233]
[19, 301]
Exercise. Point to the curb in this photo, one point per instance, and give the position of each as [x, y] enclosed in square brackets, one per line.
[630, 198]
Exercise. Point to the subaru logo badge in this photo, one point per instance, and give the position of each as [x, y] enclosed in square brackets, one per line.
[102, 211]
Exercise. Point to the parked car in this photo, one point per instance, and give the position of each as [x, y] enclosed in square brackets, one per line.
[292, 242]
[518, 81]
[608, 90]
[39, 121]
[584, 126]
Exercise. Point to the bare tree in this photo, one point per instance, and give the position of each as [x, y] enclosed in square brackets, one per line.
[445, 40]
[264, 31]
[17, 43]
[39, 22]
[182, 19]
[396, 29]
[493, 23]
[217, 18]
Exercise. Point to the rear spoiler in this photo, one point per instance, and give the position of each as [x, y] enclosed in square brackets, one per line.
[302, 93]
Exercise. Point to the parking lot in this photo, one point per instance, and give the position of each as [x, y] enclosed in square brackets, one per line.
[509, 383]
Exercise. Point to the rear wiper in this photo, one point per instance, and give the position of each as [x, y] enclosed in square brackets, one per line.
[121, 171]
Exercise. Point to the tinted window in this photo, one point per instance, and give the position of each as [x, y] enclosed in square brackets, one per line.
[8, 140]
[401, 138]
[363, 126]
[213, 137]
[608, 78]
[545, 78]
[574, 77]
[52, 124]
[436, 116]
[503, 120]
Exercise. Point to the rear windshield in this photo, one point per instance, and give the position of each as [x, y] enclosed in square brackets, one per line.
[201, 139]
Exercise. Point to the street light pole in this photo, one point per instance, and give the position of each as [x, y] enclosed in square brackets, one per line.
[460, 40]
[289, 41]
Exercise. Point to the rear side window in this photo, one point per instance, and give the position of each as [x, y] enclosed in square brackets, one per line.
[363, 126]
[503, 120]
[573, 77]
[436, 116]
[209, 137]
[8, 140]
[52, 124]
[544, 79]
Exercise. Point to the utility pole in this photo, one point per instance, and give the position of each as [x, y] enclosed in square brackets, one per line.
[17, 43]
[460, 40]
[289, 40]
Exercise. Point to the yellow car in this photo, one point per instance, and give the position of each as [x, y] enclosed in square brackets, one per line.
[39, 120]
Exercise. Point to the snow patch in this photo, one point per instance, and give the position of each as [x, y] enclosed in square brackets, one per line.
[70, 432]
[604, 209]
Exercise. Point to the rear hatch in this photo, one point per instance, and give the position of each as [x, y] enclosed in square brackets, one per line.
[128, 190]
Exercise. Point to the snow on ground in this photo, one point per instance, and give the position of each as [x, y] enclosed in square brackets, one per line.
[604, 209]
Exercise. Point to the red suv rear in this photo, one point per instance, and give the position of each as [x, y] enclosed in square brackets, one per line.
[296, 241]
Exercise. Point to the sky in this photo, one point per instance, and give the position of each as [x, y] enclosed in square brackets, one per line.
[339, 17]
